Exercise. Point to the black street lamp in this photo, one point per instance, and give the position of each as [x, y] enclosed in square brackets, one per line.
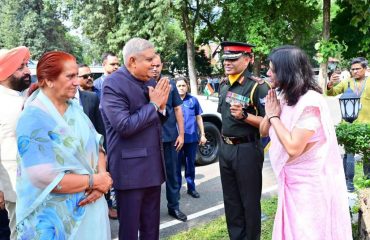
[349, 105]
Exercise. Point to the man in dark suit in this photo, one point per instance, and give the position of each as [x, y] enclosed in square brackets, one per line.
[133, 106]
[90, 105]
[86, 80]
[89, 100]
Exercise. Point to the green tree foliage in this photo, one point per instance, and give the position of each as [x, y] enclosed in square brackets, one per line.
[37, 25]
[267, 24]
[108, 24]
[177, 63]
[351, 25]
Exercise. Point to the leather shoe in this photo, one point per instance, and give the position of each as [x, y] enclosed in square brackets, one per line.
[193, 193]
[176, 213]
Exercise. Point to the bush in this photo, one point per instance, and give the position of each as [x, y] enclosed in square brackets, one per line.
[355, 137]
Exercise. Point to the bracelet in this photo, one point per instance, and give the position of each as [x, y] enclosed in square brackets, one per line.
[273, 117]
[91, 181]
[155, 105]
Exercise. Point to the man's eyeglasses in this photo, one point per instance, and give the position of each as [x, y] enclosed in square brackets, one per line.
[86, 76]
[355, 69]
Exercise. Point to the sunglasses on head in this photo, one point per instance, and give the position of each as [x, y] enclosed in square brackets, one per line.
[86, 76]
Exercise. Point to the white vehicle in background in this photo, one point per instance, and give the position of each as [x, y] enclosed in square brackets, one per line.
[209, 152]
[32, 66]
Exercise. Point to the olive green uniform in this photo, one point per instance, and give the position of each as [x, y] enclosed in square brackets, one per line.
[241, 160]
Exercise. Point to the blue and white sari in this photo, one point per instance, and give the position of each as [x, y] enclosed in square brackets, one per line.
[49, 146]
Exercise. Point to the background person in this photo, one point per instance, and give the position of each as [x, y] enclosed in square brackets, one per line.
[241, 153]
[14, 79]
[304, 153]
[132, 111]
[173, 141]
[90, 105]
[361, 87]
[86, 79]
[358, 83]
[110, 64]
[62, 170]
[192, 123]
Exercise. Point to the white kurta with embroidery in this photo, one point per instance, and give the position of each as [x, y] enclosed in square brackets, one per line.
[11, 103]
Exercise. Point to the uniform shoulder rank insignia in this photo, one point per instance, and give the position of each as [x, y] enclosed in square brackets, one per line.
[257, 79]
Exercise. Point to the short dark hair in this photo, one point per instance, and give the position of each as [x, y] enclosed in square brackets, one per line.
[360, 60]
[182, 78]
[293, 72]
[81, 65]
[106, 55]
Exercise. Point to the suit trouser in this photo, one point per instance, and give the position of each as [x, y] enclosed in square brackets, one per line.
[172, 185]
[4, 225]
[188, 151]
[10, 207]
[241, 178]
[138, 213]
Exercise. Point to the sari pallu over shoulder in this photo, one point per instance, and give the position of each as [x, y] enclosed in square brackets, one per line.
[312, 193]
[49, 146]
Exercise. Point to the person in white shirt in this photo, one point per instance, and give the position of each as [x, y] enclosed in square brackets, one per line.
[15, 77]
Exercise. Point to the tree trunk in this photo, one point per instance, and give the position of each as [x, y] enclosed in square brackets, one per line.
[191, 65]
[190, 50]
[257, 65]
[325, 36]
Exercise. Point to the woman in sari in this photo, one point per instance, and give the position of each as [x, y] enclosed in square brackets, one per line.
[304, 153]
[62, 174]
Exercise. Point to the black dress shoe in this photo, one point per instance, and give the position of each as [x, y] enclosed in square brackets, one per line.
[193, 193]
[176, 213]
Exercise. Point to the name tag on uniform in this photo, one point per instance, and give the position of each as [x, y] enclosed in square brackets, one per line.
[233, 98]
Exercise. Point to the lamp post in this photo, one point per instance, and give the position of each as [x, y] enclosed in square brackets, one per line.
[349, 106]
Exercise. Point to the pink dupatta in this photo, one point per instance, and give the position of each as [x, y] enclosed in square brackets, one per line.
[313, 201]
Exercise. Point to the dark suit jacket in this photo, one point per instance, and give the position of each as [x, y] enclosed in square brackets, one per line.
[90, 104]
[133, 127]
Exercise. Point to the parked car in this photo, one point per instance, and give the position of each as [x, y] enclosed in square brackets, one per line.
[209, 152]
[97, 71]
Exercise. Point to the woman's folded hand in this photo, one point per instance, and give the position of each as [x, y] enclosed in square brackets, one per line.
[102, 182]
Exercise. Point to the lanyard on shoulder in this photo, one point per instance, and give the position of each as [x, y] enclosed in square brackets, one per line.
[357, 88]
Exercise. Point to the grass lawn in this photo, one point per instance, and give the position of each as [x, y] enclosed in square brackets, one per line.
[216, 230]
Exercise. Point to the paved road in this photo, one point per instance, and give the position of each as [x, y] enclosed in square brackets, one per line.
[207, 207]
[210, 204]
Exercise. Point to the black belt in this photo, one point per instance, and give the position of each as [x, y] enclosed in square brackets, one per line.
[239, 140]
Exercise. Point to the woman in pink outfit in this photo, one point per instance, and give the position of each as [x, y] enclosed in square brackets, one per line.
[304, 153]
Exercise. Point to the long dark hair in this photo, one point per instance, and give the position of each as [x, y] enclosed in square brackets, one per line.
[293, 72]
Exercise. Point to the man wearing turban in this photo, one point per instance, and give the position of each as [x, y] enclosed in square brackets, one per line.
[14, 79]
